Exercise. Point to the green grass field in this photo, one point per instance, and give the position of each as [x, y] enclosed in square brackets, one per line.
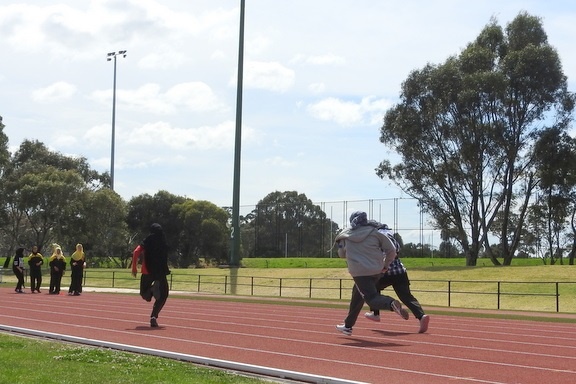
[29, 360]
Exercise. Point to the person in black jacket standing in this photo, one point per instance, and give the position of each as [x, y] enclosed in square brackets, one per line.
[153, 280]
[35, 261]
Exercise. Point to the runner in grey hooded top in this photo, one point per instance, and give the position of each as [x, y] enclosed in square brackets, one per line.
[362, 246]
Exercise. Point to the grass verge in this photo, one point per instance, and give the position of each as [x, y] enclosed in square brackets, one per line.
[29, 360]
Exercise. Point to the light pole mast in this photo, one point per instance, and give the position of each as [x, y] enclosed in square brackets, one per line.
[108, 58]
[235, 251]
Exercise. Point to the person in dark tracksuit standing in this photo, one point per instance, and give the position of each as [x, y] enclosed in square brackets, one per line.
[57, 264]
[153, 252]
[35, 261]
[77, 264]
[18, 268]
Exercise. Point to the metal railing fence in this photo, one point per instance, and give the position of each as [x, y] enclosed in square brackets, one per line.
[545, 296]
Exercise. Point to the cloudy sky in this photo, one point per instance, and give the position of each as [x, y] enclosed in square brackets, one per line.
[318, 78]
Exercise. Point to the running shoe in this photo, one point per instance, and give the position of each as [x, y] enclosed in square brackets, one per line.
[424, 321]
[372, 316]
[344, 329]
[396, 306]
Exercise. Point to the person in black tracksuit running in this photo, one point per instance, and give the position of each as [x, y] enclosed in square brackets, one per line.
[153, 252]
[397, 276]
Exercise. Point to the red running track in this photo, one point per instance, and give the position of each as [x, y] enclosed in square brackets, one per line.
[303, 338]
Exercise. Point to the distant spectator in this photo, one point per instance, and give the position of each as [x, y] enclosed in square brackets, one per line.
[57, 264]
[18, 268]
[77, 264]
[35, 261]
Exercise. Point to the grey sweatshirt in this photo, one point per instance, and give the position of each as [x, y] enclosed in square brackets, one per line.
[362, 247]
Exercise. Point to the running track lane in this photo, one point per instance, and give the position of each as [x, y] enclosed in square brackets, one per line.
[303, 339]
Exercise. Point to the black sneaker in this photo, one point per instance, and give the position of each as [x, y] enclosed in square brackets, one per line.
[153, 322]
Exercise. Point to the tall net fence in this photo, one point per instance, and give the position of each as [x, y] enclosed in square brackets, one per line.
[280, 230]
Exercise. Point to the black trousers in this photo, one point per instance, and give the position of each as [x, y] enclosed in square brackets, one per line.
[76, 279]
[55, 281]
[157, 288]
[401, 285]
[35, 279]
[365, 290]
[20, 276]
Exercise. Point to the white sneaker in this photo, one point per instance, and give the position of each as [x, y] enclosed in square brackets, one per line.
[424, 321]
[372, 316]
[402, 312]
[344, 329]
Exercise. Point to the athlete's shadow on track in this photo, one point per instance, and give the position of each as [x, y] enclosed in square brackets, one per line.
[370, 344]
[391, 334]
[146, 328]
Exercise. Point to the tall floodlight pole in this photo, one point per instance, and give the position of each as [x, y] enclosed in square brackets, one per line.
[235, 251]
[110, 56]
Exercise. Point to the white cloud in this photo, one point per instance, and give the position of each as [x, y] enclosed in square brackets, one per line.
[279, 161]
[317, 87]
[194, 96]
[163, 135]
[99, 135]
[368, 111]
[55, 92]
[162, 60]
[271, 76]
[328, 59]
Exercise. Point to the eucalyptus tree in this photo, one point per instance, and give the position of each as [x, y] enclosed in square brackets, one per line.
[549, 215]
[101, 227]
[4, 214]
[204, 232]
[465, 130]
[145, 209]
[288, 223]
[4, 153]
[43, 193]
